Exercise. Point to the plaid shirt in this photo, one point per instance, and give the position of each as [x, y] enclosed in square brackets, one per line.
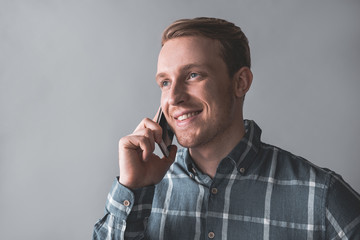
[259, 192]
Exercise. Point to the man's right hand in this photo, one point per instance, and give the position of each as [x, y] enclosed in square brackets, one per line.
[139, 166]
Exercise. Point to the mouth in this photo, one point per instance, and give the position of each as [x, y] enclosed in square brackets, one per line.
[185, 116]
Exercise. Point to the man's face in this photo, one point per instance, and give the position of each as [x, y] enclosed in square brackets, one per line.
[197, 96]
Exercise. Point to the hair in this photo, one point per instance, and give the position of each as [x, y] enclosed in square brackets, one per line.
[234, 45]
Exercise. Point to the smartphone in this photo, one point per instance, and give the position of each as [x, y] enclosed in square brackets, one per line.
[167, 133]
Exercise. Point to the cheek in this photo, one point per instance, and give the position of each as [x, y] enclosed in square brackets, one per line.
[210, 94]
[203, 91]
[164, 98]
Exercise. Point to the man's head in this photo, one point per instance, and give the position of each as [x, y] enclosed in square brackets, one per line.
[234, 45]
[202, 88]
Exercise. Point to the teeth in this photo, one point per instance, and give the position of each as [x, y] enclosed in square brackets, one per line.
[186, 116]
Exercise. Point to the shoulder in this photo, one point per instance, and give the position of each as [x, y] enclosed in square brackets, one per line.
[290, 166]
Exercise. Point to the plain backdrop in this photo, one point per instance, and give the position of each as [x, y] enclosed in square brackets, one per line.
[76, 76]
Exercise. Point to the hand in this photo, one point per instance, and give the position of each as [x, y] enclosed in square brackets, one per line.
[139, 166]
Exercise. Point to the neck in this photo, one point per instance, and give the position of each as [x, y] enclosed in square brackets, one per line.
[208, 156]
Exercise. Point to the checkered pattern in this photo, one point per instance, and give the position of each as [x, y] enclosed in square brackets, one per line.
[259, 192]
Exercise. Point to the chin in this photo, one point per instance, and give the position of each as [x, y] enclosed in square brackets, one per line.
[186, 142]
[190, 141]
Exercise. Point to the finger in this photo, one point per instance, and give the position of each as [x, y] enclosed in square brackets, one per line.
[167, 161]
[172, 153]
[150, 124]
[148, 134]
[146, 148]
[142, 143]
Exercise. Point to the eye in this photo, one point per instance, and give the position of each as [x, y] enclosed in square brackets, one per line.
[193, 75]
[165, 83]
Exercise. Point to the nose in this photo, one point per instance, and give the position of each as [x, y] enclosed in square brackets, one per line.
[177, 94]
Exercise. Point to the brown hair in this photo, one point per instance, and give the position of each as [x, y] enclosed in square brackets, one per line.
[234, 45]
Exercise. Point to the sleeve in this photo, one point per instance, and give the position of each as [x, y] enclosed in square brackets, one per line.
[342, 211]
[126, 213]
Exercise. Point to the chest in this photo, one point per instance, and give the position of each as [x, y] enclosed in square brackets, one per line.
[250, 207]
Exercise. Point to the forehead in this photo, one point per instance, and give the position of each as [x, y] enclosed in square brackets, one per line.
[183, 51]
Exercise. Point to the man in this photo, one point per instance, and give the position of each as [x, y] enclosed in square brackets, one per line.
[225, 183]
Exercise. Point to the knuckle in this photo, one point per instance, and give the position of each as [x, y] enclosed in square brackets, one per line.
[144, 139]
[123, 140]
[145, 120]
[147, 132]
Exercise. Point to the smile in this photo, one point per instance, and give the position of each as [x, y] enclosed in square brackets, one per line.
[187, 115]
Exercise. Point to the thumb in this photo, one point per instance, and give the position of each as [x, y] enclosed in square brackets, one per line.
[172, 153]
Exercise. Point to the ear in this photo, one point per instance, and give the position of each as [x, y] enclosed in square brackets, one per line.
[242, 81]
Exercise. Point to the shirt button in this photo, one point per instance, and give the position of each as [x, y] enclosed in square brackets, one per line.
[242, 170]
[126, 203]
[211, 235]
[214, 191]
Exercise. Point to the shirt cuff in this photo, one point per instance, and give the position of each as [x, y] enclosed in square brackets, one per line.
[129, 204]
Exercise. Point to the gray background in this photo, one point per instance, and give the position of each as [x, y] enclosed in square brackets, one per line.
[75, 76]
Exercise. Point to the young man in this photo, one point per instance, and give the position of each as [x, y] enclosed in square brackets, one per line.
[225, 183]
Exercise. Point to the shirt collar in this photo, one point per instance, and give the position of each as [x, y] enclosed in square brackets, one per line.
[245, 151]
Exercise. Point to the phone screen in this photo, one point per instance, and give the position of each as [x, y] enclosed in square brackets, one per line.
[167, 133]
